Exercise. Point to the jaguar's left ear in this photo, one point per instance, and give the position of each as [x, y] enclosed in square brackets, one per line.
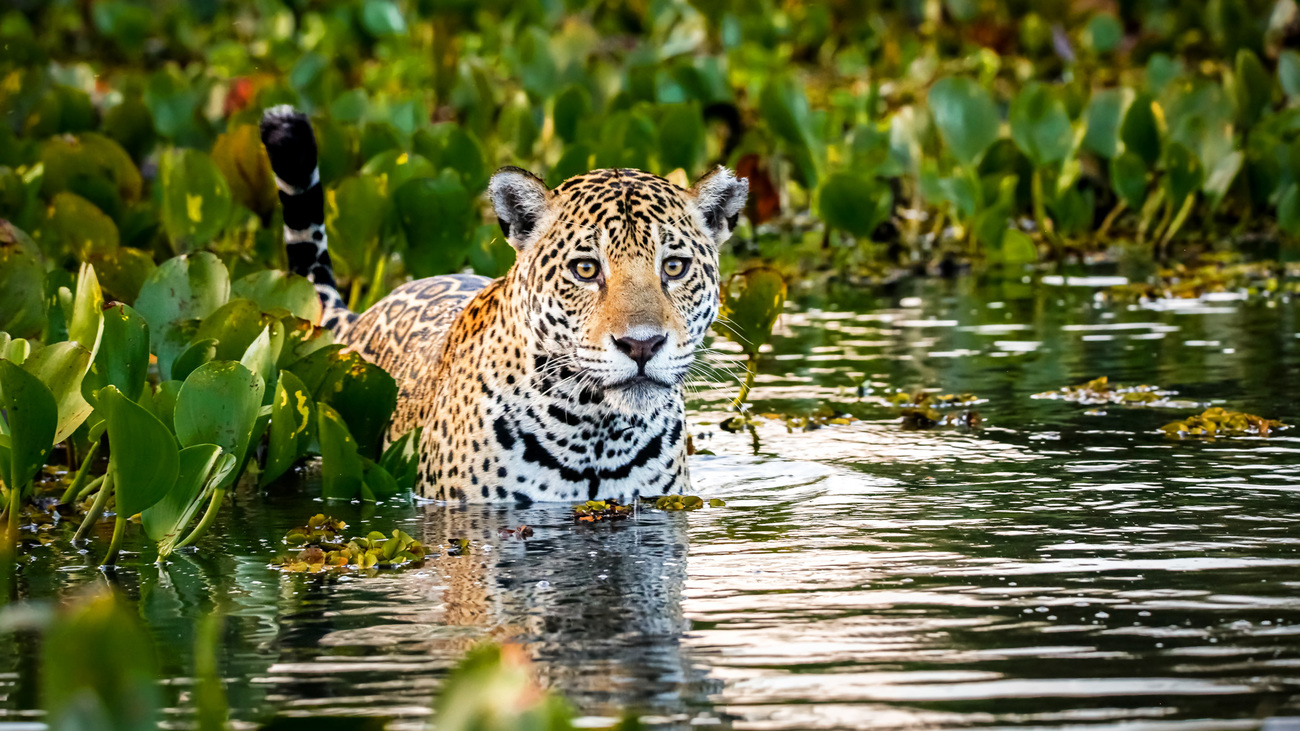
[719, 196]
[521, 201]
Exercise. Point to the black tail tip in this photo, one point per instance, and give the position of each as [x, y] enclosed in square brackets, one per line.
[291, 145]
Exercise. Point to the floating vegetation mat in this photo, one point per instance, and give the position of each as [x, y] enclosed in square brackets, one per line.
[321, 548]
[931, 418]
[682, 502]
[594, 511]
[1184, 282]
[1100, 391]
[1217, 422]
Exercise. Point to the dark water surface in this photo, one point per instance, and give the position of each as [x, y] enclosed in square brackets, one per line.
[1054, 568]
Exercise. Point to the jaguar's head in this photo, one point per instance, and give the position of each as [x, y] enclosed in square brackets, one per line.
[618, 270]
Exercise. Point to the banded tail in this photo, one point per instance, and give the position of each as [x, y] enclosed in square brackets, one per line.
[291, 145]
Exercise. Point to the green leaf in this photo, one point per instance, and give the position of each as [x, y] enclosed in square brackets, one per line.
[1288, 210]
[86, 321]
[571, 108]
[1252, 88]
[123, 273]
[1040, 125]
[219, 404]
[242, 160]
[29, 416]
[1018, 249]
[751, 302]
[196, 201]
[1220, 179]
[261, 355]
[342, 471]
[378, 484]
[167, 517]
[1103, 33]
[1288, 72]
[854, 203]
[402, 459]
[1183, 172]
[22, 284]
[382, 18]
[393, 168]
[1128, 176]
[123, 357]
[292, 429]
[355, 234]
[75, 228]
[98, 668]
[199, 352]
[162, 402]
[273, 289]
[61, 367]
[363, 393]
[966, 117]
[681, 137]
[576, 160]
[143, 454]
[1103, 117]
[234, 326]
[434, 216]
[181, 289]
[1139, 132]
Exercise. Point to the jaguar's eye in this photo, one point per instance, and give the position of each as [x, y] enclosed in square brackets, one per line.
[585, 270]
[675, 267]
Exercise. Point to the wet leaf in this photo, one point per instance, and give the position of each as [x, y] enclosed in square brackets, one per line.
[123, 357]
[594, 511]
[174, 511]
[219, 404]
[402, 459]
[142, 475]
[292, 429]
[342, 471]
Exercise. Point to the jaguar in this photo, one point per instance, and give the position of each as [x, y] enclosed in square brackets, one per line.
[563, 379]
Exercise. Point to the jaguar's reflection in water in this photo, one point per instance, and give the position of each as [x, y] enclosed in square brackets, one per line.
[599, 608]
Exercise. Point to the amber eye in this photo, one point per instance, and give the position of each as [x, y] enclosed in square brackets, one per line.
[675, 267]
[585, 269]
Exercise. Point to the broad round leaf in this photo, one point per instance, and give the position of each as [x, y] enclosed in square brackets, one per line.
[74, 228]
[123, 357]
[354, 234]
[219, 404]
[196, 202]
[123, 273]
[434, 217]
[143, 454]
[751, 303]
[31, 418]
[1183, 172]
[273, 289]
[854, 203]
[183, 288]
[1139, 132]
[1128, 176]
[61, 367]
[1104, 114]
[242, 160]
[86, 321]
[292, 429]
[167, 517]
[571, 108]
[1040, 125]
[234, 326]
[681, 137]
[22, 284]
[966, 117]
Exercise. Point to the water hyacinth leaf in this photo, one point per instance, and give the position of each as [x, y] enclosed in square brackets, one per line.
[1103, 33]
[575, 161]
[751, 302]
[196, 201]
[61, 367]
[393, 168]
[361, 392]
[854, 203]
[86, 320]
[1140, 132]
[123, 357]
[68, 160]
[1288, 72]
[242, 160]
[402, 459]
[234, 326]
[122, 274]
[142, 474]
[1103, 116]
[219, 404]
[74, 228]
[681, 137]
[382, 18]
[1252, 87]
[292, 428]
[1040, 125]
[186, 287]
[200, 352]
[22, 285]
[1220, 179]
[167, 517]
[162, 402]
[572, 106]
[99, 669]
[342, 471]
[378, 484]
[1183, 172]
[301, 339]
[966, 117]
[353, 235]
[261, 355]
[433, 215]
[1018, 249]
[1128, 176]
[1288, 210]
[29, 416]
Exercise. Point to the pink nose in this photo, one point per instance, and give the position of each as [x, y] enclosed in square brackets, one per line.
[640, 350]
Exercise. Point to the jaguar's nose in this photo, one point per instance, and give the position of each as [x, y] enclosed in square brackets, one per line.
[641, 350]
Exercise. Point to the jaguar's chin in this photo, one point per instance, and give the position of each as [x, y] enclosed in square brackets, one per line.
[640, 394]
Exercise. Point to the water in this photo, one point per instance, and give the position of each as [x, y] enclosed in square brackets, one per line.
[1054, 568]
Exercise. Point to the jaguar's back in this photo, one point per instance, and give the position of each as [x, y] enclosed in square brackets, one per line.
[563, 379]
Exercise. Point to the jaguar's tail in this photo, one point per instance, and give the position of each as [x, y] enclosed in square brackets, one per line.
[291, 145]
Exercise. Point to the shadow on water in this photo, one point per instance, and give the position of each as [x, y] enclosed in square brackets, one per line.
[1060, 566]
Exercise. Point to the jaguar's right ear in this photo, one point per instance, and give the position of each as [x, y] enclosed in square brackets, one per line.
[521, 201]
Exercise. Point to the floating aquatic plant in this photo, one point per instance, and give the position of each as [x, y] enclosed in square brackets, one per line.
[1218, 422]
[594, 511]
[323, 548]
[1101, 391]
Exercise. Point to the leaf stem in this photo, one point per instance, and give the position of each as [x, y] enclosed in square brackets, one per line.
[119, 527]
[74, 488]
[11, 530]
[1110, 219]
[1183, 212]
[96, 508]
[89, 488]
[206, 521]
[751, 369]
[1040, 213]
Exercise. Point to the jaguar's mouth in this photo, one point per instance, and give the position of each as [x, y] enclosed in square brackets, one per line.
[636, 383]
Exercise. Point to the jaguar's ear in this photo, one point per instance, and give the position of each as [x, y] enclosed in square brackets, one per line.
[521, 200]
[719, 196]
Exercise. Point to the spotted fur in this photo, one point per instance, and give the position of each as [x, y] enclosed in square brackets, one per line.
[528, 387]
